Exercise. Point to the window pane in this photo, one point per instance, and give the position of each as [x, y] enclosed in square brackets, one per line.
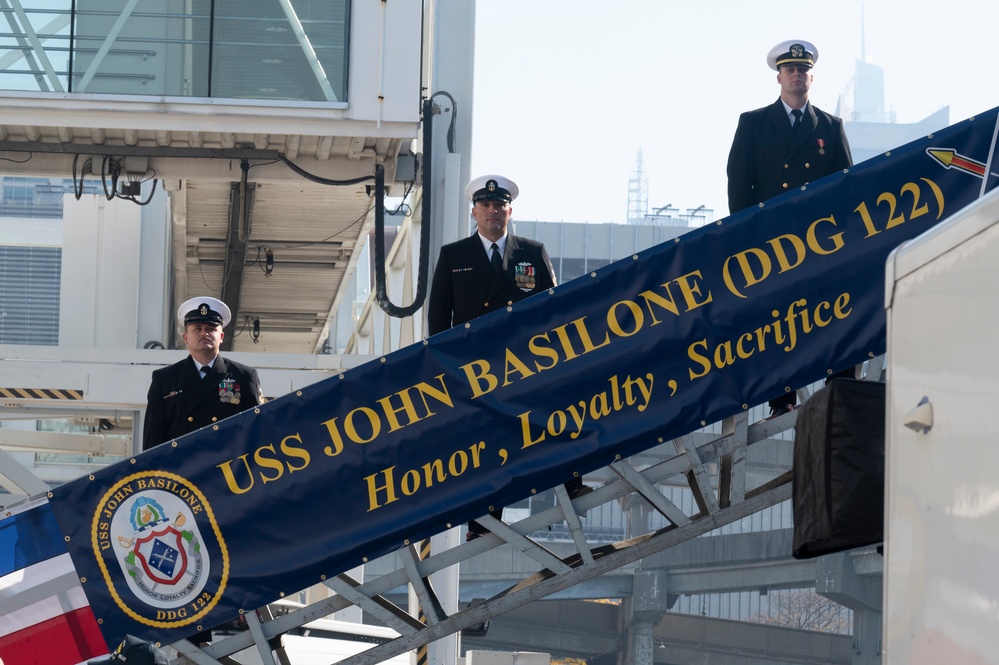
[29, 295]
[280, 49]
[152, 47]
[34, 45]
[240, 49]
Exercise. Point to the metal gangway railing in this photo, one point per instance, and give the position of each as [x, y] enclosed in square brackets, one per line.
[721, 498]
[713, 467]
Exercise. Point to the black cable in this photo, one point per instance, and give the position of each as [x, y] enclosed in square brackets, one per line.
[267, 163]
[402, 204]
[322, 181]
[256, 260]
[78, 188]
[18, 161]
[381, 294]
[454, 116]
[109, 165]
[201, 272]
[236, 333]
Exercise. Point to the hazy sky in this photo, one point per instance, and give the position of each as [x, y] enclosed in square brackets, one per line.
[567, 91]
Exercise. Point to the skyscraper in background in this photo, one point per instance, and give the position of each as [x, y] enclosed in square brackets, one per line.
[870, 127]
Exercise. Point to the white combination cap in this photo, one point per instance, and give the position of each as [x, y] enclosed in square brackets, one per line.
[204, 309]
[491, 188]
[793, 52]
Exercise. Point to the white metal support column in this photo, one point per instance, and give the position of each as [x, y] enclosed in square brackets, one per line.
[451, 72]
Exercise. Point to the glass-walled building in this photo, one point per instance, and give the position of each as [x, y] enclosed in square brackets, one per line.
[292, 50]
[265, 120]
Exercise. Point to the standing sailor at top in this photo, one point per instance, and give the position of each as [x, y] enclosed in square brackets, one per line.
[780, 147]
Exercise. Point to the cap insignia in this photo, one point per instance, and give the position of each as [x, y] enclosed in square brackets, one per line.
[491, 185]
[203, 309]
[797, 50]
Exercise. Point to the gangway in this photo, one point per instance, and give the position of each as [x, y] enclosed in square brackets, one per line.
[636, 479]
[779, 296]
[729, 501]
[722, 497]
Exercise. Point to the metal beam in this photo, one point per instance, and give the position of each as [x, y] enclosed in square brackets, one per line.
[240, 211]
[785, 574]
[61, 442]
[138, 151]
[17, 480]
[554, 573]
[51, 28]
[585, 630]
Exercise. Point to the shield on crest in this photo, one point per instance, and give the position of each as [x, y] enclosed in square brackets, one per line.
[162, 555]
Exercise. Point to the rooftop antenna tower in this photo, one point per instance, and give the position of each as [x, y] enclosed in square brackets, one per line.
[863, 36]
[638, 192]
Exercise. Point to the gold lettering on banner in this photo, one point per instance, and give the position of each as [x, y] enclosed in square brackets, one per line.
[390, 484]
[363, 424]
[366, 419]
[754, 265]
[896, 212]
[629, 392]
[268, 464]
[782, 332]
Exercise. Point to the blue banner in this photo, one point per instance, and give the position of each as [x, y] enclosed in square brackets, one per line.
[654, 346]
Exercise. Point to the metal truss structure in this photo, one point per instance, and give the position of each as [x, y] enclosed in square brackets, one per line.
[721, 498]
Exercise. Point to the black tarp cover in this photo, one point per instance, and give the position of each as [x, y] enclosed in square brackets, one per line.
[839, 469]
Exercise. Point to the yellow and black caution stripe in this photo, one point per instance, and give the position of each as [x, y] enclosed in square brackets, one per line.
[41, 393]
[422, 653]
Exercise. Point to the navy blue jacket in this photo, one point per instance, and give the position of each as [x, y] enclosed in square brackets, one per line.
[466, 286]
[180, 401]
[769, 158]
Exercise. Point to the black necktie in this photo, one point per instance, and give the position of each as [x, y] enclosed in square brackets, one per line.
[204, 370]
[797, 119]
[496, 259]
